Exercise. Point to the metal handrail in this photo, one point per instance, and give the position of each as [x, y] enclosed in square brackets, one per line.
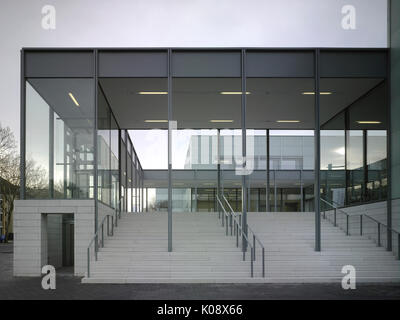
[114, 222]
[379, 224]
[361, 217]
[336, 209]
[236, 227]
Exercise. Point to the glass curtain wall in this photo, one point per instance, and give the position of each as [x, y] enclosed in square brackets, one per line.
[59, 138]
[206, 100]
[279, 117]
[354, 139]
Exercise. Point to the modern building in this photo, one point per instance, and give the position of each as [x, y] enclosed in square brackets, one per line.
[146, 152]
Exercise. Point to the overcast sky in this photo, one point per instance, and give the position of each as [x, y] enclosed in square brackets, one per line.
[176, 23]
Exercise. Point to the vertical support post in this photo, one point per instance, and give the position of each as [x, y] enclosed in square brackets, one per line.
[141, 172]
[379, 234]
[317, 155]
[244, 177]
[88, 262]
[252, 263]
[398, 246]
[361, 225]
[267, 191]
[263, 262]
[51, 153]
[347, 225]
[237, 235]
[195, 200]
[219, 171]
[112, 225]
[334, 217]
[95, 164]
[22, 126]
[169, 152]
[389, 141]
[102, 235]
[275, 194]
[301, 192]
[364, 196]
[108, 225]
[147, 199]
[254, 246]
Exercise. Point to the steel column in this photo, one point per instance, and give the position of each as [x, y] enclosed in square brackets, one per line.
[169, 152]
[51, 153]
[219, 169]
[95, 164]
[267, 199]
[389, 243]
[244, 177]
[317, 155]
[301, 192]
[22, 127]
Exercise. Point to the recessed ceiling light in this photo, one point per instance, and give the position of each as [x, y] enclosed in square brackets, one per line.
[155, 121]
[73, 99]
[153, 92]
[233, 92]
[369, 122]
[323, 93]
[288, 121]
[221, 121]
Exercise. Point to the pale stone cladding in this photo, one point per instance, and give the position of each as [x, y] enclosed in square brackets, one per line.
[31, 232]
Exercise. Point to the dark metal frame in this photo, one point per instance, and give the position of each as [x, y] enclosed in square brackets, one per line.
[169, 51]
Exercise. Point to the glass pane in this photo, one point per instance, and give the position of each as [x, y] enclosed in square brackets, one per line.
[59, 138]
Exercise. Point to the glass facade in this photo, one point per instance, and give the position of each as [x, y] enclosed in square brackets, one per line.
[113, 121]
[59, 138]
[354, 147]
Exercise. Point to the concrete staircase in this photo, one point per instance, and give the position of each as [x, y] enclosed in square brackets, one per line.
[202, 253]
[289, 241]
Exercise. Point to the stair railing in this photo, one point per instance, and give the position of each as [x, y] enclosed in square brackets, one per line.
[98, 238]
[379, 226]
[237, 229]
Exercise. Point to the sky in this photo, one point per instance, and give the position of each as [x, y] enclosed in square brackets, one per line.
[176, 23]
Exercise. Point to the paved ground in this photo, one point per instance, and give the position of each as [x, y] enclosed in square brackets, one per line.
[70, 288]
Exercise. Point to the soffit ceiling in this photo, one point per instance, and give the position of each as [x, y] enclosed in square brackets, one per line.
[196, 101]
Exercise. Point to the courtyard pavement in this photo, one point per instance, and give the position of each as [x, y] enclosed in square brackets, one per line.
[69, 287]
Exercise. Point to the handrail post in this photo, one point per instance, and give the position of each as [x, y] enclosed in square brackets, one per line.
[252, 267]
[108, 225]
[237, 235]
[95, 252]
[88, 262]
[379, 234]
[361, 225]
[398, 246]
[347, 225]
[263, 262]
[226, 217]
[112, 225]
[334, 217]
[231, 218]
[254, 246]
[102, 235]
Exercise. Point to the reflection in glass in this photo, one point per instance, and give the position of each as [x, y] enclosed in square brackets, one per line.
[59, 138]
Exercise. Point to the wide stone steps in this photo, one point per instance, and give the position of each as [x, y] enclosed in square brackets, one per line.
[137, 253]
